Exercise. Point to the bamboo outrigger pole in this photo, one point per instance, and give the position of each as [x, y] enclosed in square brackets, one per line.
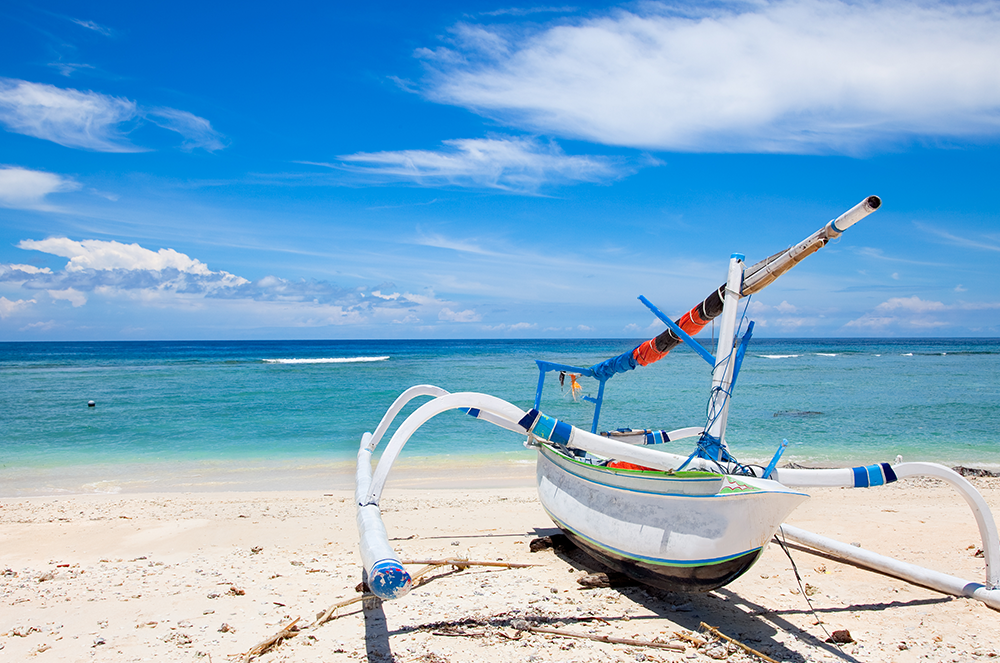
[756, 278]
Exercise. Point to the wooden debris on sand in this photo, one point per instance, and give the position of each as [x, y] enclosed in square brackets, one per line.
[523, 625]
[718, 634]
[431, 564]
[288, 631]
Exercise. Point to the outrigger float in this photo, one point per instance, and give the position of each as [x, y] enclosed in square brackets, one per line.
[681, 523]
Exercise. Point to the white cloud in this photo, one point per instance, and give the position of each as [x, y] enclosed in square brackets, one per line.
[797, 76]
[654, 327]
[74, 297]
[913, 312]
[99, 272]
[92, 121]
[8, 307]
[26, 269]
[26, 189]
[510, 163]
[99, 254]
[448, 315]
[113, 267]
[914, 304]
[86, 120]
[758, 307]
[785, 307]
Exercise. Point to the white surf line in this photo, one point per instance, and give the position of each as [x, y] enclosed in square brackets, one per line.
[326, 360]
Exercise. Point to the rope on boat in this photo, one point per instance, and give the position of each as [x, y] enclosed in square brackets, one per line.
[802, 590]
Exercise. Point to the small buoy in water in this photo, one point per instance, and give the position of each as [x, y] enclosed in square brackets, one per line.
[91, 404]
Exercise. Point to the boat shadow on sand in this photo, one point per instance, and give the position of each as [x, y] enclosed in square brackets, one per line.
[737, 616]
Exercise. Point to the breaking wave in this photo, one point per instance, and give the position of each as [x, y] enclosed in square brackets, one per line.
[325, 360]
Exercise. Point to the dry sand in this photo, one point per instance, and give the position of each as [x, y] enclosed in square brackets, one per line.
[200, 576]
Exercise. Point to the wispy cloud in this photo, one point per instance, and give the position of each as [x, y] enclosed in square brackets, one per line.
[67, 69]
[879, 254]
[518, 164]
[96, 27]
[527, 11]
[197, 131]
[439, 241]
[516, 327]
[795, 76]
[982, 243]
[21, 188]
[90, 120]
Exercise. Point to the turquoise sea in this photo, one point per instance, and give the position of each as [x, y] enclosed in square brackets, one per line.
[290, 414]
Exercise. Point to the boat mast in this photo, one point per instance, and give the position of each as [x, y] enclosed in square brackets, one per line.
[725, 359]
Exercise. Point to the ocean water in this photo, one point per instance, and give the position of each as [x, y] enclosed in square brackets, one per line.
[285, 414]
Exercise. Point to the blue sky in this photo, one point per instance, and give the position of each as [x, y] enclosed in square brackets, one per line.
[472, 169]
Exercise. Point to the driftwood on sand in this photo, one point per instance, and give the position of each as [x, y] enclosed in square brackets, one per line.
[288, 631]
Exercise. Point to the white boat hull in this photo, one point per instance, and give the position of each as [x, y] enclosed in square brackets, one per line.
[682, 532]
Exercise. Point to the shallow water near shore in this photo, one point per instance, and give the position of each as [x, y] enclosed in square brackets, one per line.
[248, 415]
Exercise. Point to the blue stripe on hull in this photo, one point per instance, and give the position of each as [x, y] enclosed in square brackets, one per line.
[697, 576]
[652, 561]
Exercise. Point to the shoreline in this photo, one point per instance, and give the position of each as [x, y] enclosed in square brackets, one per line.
[309, 474]
[175, 576]
[453, 472]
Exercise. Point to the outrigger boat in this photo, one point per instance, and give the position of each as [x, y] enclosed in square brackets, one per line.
[681, 523]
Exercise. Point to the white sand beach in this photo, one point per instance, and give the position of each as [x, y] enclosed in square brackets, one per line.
[207, 576]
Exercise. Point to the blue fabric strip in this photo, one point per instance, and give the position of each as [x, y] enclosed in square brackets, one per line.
[620, 364]
[544, 425]
[473, 412]
[709, 447]
[860, 477]
[528, 419]
[656, 437]
[875, 477]
[890, 476]
[561, 432]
